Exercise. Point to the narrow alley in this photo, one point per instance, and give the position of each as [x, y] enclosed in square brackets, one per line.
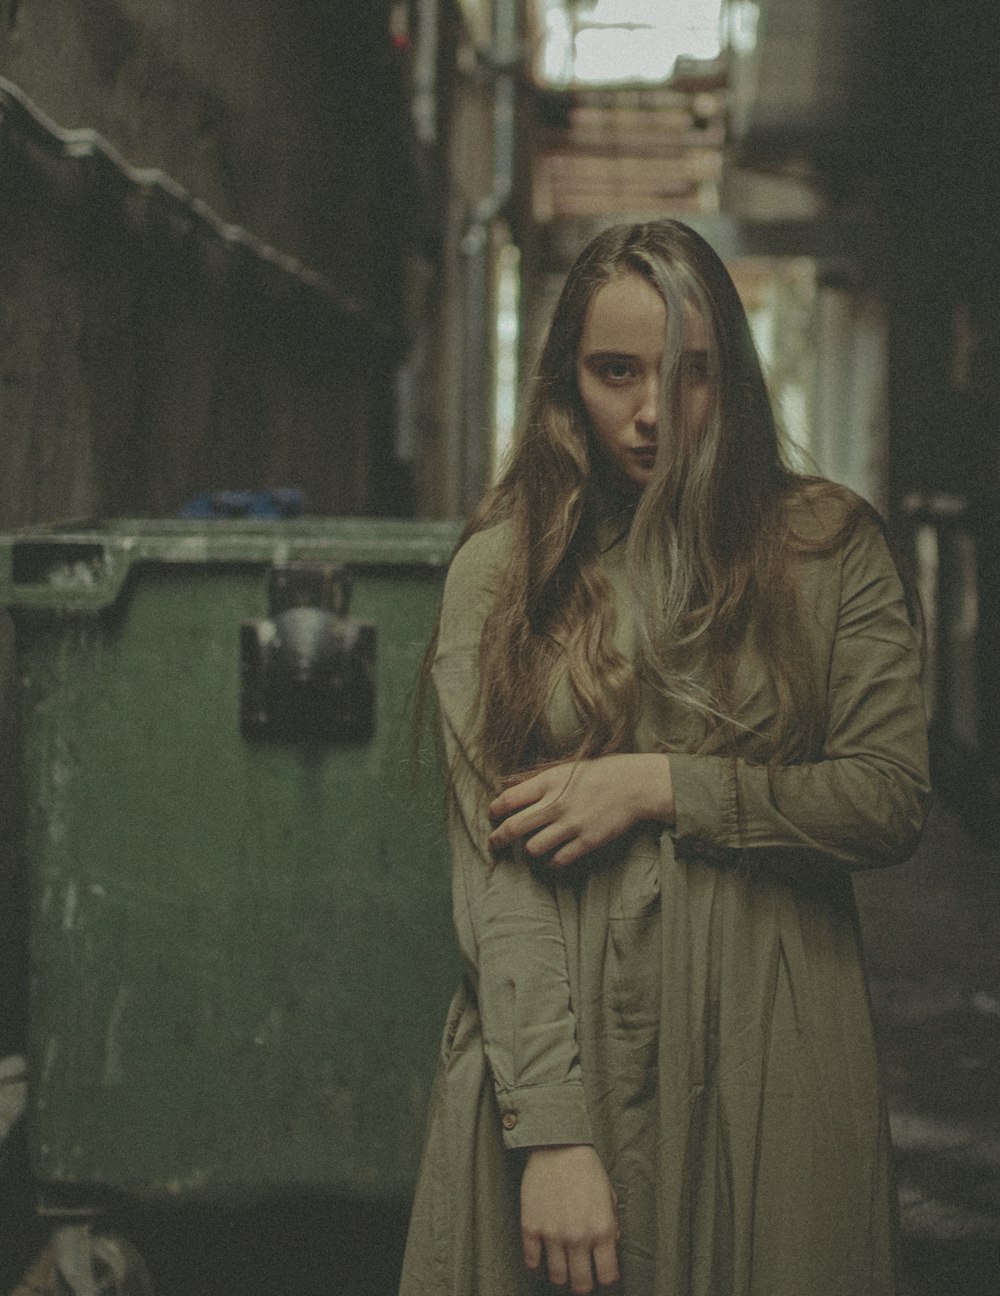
[275, 278]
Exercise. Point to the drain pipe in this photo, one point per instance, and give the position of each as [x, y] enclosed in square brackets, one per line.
[470, 464]
[425, 74]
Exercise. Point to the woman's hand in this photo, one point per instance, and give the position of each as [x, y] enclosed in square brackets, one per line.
[576, 807]
[569, 1212]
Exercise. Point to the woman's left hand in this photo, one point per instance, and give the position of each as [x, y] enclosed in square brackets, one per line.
[574, 808]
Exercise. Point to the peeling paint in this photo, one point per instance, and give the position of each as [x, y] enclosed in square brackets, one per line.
[75, 575]
[69, 906]
[268, 1027]
[192, 548]
[61, 772]
[987, 1004]
[13, 1092]
[921, 1215]
[51, 1054]
[913, 1132]
[114, 1072]
[194, 1179]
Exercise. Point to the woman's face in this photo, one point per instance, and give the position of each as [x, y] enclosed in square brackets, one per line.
[618, 367]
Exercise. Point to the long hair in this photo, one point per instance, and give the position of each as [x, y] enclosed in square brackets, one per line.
[709, 549]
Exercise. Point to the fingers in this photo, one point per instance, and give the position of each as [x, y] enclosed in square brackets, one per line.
[558, 1265]
[549, 830]
[569, 810]
[574, 1266]
[531, 1246]
[514, 798]
[540, 836]
[520, 825]
[606, 1264]
[535, 814]
[522, 794]
[569, 1218]
[581, 1270]
[549, 783]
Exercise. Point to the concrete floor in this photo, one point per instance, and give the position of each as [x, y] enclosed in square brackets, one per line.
[932, 930]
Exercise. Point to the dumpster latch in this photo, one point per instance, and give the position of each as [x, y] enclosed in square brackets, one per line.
[308, 669]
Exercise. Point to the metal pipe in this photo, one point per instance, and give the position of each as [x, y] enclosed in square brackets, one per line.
[503, 61]
[425, 74]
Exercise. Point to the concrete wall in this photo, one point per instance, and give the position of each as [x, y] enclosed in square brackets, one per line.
[140, 359]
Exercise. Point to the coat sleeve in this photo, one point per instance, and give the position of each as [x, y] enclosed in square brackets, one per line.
[506, 916]
[863, 803]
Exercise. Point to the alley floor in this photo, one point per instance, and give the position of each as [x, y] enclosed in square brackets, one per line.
[932, 930]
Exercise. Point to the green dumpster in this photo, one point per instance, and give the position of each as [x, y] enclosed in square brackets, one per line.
[241, 928]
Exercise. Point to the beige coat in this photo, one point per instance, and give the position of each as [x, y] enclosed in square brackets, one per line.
[705, 1025]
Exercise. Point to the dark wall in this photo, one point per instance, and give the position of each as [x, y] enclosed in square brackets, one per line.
[938, 188]
[938, 195]
[142, 357]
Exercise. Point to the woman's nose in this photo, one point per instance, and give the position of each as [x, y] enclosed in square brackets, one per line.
[648, 410]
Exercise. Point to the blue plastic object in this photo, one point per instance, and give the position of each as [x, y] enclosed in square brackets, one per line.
[275, 504]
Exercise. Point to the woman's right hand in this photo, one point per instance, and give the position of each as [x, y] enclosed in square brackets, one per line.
[569, 1212]
[574, 807]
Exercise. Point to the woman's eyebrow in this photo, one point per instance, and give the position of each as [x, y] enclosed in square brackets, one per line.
[603, 357]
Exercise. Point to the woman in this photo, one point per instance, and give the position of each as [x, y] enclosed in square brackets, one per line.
[680, 695]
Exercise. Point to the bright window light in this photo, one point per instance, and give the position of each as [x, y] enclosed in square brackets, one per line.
[742, 22]
[614, 41]
[505, 345]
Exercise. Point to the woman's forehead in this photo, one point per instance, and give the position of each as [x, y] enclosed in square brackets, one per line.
[625, 305]
[630, 306]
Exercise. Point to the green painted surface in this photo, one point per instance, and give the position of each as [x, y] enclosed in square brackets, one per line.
[242, 952]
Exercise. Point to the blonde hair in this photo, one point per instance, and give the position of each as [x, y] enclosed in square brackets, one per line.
[709, 548]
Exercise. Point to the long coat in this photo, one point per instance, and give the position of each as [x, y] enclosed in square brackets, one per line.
[693, 1000]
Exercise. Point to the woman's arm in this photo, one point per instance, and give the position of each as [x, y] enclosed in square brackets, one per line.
[506, 915]
[863, 803]
[510, 932]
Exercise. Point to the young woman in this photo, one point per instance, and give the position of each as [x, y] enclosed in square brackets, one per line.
[680, 692]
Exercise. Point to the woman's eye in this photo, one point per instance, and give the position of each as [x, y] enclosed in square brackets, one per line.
[696, 368]
[617, 370]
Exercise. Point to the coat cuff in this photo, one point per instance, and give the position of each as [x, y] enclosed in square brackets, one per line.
[544, 1115]
[704, 789]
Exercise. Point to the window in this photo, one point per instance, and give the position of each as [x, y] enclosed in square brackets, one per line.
[613, 42]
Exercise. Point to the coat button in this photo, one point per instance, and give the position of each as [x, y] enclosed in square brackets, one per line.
[509, 1120]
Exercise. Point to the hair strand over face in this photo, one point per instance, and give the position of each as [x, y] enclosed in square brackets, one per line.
[709, 550]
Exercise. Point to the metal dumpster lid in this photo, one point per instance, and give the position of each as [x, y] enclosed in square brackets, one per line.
[84, 565]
